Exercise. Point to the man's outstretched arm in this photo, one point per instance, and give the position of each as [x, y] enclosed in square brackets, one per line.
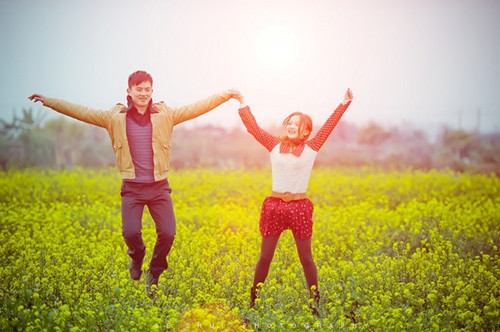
[191, 111]
[95, 117]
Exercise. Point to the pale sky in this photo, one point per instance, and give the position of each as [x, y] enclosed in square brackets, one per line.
[408, 62]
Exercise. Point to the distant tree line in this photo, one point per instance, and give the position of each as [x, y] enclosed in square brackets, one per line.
[30, 141]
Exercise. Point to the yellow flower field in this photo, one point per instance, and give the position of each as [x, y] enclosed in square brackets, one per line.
[411, 250]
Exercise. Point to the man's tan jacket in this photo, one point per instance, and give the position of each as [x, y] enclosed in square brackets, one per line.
[163, 119]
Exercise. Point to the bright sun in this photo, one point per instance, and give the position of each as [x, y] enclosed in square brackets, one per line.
[277, 47]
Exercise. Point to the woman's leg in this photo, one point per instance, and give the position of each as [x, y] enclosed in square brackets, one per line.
[266, 256]
[305, 255]
[267, 248]
[307, 261]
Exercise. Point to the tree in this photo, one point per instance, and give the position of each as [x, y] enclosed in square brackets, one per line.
[68, 137]
[17, 142]
[373, 134]
[29, 120]
[460, 142]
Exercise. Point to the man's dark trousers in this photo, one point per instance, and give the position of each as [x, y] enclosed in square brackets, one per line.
[156, 196]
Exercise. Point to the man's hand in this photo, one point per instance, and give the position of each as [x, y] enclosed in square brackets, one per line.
[36, 97]
[348, 97]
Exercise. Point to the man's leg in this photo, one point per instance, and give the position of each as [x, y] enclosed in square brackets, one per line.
[162, 211]
[132, 209]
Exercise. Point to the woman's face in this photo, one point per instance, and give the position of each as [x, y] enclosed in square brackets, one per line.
[292, 127]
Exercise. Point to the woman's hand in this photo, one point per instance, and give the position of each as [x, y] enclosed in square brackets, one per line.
[236, 94]
[348, 97]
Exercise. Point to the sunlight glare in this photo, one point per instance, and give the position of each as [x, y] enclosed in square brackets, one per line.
[277, 47]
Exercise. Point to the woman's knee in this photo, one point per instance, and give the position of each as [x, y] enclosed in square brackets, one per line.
[307, 261]
[265, 260]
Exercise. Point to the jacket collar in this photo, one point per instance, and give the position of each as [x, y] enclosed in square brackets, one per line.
[130, 105]
[295, 150]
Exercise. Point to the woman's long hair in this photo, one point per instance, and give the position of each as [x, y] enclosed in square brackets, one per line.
[305, 126]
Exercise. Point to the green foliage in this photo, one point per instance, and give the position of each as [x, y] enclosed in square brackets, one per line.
[373, 134]
[409, 250]
[65, 143]
[28, 120]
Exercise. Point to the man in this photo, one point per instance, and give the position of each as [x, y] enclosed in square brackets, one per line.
[140, 135]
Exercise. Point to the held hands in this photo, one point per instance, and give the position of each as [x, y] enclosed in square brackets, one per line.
[348, 97]
[36, 97]
[236, 94]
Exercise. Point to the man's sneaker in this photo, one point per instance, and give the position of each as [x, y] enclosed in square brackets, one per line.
[135, 269]
[151, 283]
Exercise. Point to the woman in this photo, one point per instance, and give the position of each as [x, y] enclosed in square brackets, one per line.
[292, 158]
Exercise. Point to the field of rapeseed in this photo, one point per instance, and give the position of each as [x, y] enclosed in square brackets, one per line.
[396, 251]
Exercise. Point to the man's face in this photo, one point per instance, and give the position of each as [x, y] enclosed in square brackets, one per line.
[141, 93]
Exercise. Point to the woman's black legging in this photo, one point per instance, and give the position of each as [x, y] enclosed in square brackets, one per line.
[267, 253]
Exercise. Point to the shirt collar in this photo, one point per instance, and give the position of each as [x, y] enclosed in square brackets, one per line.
[295, 150]
[131, 106]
